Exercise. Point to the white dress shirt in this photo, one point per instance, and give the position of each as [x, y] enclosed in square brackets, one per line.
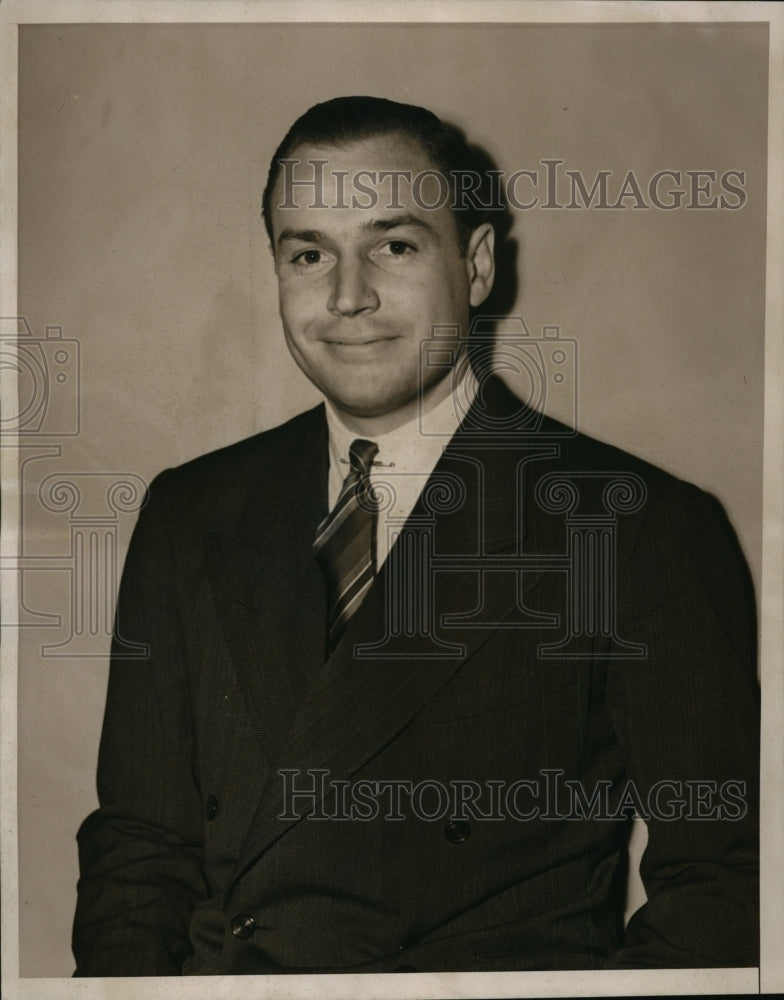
[406, 457]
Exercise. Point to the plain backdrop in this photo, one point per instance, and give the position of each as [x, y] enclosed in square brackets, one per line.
[143, 154]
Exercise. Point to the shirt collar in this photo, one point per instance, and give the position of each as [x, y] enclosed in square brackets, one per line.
[414, 446]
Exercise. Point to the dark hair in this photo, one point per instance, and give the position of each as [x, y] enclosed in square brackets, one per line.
[346, 120]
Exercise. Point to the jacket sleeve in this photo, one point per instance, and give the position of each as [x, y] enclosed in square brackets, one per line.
[140, 853]
[687, 717]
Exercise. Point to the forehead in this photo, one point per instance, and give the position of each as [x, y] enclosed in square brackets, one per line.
[344, 187]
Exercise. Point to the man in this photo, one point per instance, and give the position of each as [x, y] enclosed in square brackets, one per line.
[418, 656]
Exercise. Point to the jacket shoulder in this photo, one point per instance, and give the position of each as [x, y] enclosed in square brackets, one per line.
[238, 458]
[615, 476]
[571, 451]
[222, 480]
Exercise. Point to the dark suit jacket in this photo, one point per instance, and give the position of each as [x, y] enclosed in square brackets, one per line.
[515, 672]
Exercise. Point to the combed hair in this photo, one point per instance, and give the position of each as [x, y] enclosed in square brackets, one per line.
[346, 120]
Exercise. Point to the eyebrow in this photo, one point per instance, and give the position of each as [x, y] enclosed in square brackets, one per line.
[303, 235]
[374, 226]
[397, 221]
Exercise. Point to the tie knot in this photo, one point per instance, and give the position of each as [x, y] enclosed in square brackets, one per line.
[362, 454]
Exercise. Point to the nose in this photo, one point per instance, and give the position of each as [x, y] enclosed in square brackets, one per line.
[352, 289]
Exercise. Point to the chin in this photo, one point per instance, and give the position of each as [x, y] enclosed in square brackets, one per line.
[369, 406]
[364, 407]
[364, 398]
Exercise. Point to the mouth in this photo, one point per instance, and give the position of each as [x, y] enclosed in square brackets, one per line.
[357, 341]
[359, 348]
[372, 351]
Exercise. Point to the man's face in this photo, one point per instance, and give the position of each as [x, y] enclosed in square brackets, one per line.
[360, 288]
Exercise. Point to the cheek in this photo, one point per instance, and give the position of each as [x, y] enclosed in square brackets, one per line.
[439, 295]
[298, 306]
[414, 302]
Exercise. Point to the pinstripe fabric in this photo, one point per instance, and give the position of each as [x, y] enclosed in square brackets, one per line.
[346, 542]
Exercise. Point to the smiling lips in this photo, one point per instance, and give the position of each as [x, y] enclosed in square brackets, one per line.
[357, 344]
[360, 352]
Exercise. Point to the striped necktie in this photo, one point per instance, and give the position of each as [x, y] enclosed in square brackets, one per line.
[345, 547]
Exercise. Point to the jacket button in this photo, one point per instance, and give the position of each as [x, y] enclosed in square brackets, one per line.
[457, 830]
[211, 808]
[243, 925]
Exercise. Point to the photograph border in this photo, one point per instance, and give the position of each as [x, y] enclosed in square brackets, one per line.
[770, 976]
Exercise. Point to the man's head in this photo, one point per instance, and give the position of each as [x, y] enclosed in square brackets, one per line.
[372, 253]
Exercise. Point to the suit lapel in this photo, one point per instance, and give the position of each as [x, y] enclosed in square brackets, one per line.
[267, 588]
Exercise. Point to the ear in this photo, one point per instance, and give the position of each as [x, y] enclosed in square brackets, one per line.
[480, 263]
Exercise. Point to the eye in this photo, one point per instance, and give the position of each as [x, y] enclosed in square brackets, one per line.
[308, 257]
[398, 248]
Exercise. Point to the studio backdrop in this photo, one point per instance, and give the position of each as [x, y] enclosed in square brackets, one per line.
[633, 161]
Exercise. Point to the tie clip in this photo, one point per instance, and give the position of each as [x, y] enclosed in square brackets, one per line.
[383, 465]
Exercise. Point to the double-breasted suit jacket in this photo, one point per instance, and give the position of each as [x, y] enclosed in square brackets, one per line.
[561, 636]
